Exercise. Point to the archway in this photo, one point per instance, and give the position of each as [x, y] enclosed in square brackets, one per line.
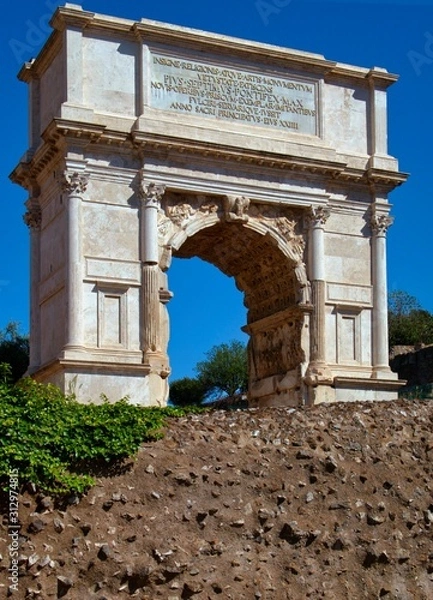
[262, 249]
[198, 321]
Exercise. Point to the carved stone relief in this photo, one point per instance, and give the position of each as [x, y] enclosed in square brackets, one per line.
[277, 350]
[236, 208]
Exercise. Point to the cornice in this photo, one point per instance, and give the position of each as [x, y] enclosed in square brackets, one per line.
[61, 132]
[36, 67]
[149, 31]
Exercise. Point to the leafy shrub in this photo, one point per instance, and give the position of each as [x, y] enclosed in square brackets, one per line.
[48, 437]
[417, 392]
[187, 391]
[14, 350]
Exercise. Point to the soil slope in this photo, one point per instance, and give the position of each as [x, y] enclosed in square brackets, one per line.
[331, 502]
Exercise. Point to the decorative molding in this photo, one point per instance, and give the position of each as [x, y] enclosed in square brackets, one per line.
[150, 193]
[317, 216]
[181, 209]
[74, 184]
[236, 208]
[33, 217]
[381, 223]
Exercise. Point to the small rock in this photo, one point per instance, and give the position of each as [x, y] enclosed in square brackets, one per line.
[45, 503]
[64, 584]
[373, 519]
[45, 561]
[150, 469]
[183, 479]
[36, 526]
[32, 560]
[237, 523]
[330, 464]
[104, 552]
[309, 497]
[59, 526]
[85, 528]
[191, 588]
[265, 514]
[304, 455]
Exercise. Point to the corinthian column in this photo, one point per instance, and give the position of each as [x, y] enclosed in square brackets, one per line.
[379, 227]
[150, 198]
[74, 184]
[317, 371]
[33, 219]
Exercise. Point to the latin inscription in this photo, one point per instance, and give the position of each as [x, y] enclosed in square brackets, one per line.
[231, 94]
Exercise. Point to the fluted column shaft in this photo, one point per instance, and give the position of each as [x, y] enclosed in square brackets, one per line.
[150, 197]
[317, 220]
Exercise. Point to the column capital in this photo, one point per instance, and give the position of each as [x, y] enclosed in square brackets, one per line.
[150, 193]
[317, 216]
[33, 217]
[74, 183]
[380, 224]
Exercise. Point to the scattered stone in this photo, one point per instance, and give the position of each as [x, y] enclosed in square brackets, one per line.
[36, 525]
[190, 588]
[309, 497]
[32, 560]
[237, 523]
[64, 584]
[104, 552]
[373, 519]
[45, 504]
[86, 528]
[330, 464]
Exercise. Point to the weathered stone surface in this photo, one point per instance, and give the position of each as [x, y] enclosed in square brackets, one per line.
[291, 176]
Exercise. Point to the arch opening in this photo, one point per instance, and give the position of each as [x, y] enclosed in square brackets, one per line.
[199, 314]
[275, 320]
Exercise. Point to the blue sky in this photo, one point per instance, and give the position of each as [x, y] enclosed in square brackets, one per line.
[207, 308]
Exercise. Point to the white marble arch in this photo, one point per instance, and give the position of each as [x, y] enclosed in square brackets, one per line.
[160, 139]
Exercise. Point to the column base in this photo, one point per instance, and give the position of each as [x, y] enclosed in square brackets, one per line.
[318, 373]
[157, 362]
[384, 372]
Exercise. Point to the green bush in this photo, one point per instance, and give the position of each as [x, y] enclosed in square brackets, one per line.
[187, 391]
[48, 437]
[14, 350]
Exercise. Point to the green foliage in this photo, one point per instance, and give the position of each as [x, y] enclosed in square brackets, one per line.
[48, 437]
[187, 391]
[409, 324]
[14, 350]
[417, 392]
[225, 371]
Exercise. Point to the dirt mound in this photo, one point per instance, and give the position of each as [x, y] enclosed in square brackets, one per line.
[329, 502]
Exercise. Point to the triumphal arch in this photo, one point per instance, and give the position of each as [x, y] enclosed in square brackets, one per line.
[149, 141]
